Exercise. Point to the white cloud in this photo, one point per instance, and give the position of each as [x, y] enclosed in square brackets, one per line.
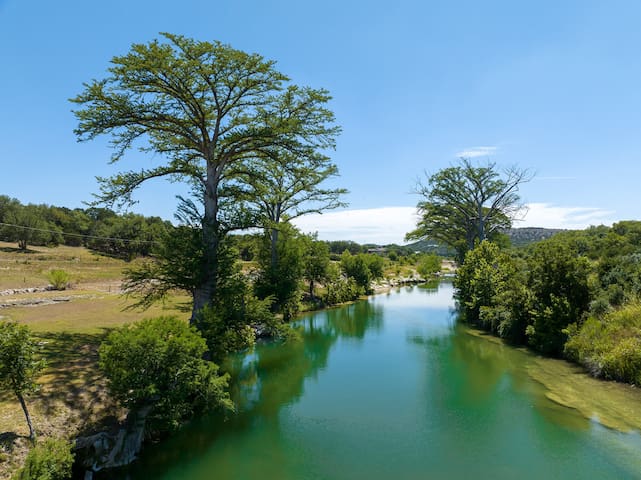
[373, 225]
[474, 152]
[390, 224]
[554, 216]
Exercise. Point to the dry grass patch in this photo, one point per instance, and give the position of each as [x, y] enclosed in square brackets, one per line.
[30, 269]
[90, 314]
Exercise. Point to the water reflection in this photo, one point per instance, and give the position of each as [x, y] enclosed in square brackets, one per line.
[387, 387]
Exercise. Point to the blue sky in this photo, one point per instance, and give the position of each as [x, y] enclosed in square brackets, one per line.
[553, 86]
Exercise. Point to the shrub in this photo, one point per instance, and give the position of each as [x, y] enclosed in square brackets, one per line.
[48, 460]
[59, 279]
[428, 265]
[609, 347]
[159, 362]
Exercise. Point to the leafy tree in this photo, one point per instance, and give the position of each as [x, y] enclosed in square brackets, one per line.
[282, 280]
[428, 264]
[207, 108]
[158, 363]
[483, 277]
[339, 289]
[316, 263]
[7, 204]
[127, 236]
[19, 364]
[558, 279]
[464, 204]
[28, 226]
[339, 246]
[363, 268]
[279, 186]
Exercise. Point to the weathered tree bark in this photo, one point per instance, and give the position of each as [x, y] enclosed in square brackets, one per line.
[204, 294]
[106, 450]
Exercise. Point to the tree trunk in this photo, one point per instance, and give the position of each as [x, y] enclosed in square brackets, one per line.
[274, 248]
[274, 237]
[32, 432]
[481, 224]
[311, 289]
[204, 293]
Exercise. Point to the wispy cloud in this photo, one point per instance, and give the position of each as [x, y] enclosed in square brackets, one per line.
[474, 152]
[373, 225]
[554, 216]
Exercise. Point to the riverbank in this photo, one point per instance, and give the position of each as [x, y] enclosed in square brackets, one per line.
[614, 405]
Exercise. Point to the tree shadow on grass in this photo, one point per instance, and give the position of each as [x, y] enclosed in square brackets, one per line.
[72, 377]
[8, 440]
[17, 250]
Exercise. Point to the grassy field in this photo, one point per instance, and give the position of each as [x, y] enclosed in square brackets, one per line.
[70, 326]
[29, 269]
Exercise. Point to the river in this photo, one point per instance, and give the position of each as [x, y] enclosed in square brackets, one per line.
[393, 388]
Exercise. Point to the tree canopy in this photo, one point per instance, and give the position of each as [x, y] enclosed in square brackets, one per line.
[464, 204]
[207, 109]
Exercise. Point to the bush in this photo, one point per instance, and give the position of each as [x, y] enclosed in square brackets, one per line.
[609, 348]
[159, 362]
[342, 290]
[59, 279]
[48, 460]
[428, 265]
[486, 274]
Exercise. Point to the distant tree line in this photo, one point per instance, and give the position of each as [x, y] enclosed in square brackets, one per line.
[100, 229]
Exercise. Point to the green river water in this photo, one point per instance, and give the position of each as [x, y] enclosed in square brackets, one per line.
[392, 388]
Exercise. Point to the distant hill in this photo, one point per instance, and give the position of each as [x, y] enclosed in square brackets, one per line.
[429, 246]
[519, 237]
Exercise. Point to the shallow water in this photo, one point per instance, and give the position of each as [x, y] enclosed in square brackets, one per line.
[392, 388]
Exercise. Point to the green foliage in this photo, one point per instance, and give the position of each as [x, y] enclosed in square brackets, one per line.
[159, 363]
[375, 265]
[59, 279]
[483, 277]
[211, 111]
[20, 363]
[316, 263]
[339, 289]
[178, 264]
[356, 268]
[464, 204]
[228, 324]
[51, 459]
[558, 278]
[575, 294]
[428, 265]
[127, 236]
[337, 247]
[609, 347]
[281, 269]
[28, 226]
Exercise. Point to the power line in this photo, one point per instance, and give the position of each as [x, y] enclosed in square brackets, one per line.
[128, 240]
